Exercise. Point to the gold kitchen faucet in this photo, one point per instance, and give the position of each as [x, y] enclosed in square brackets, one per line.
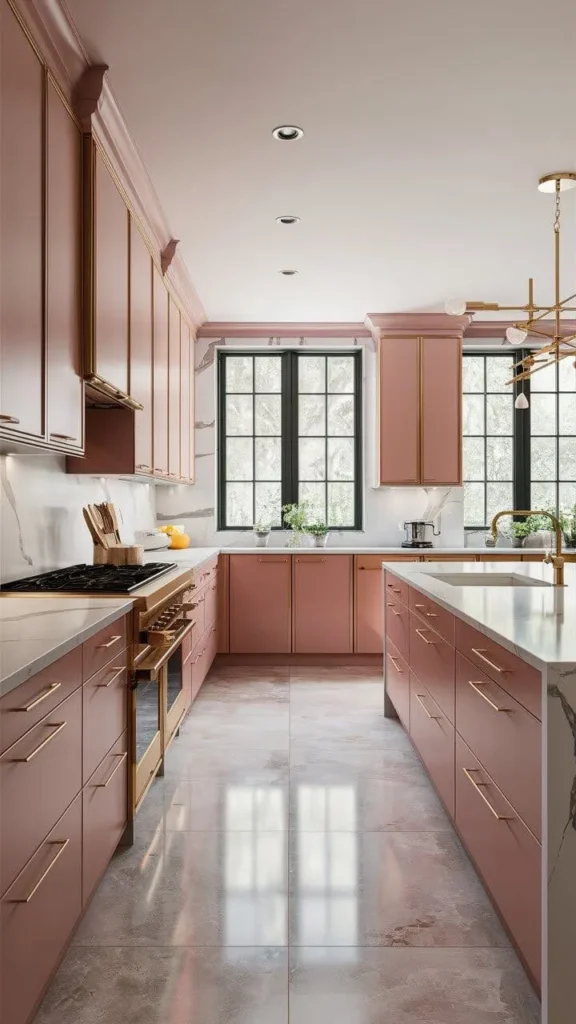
[556, 560]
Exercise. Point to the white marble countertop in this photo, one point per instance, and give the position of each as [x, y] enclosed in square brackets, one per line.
[188, 558]
[359, 549]
[536, 623]
[36, 631]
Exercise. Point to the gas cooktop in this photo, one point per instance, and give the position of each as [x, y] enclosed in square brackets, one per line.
[91, 579]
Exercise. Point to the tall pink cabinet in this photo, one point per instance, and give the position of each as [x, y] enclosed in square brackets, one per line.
[420, 398]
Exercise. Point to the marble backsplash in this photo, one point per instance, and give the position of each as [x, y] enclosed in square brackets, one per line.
[41, 523]
[385, 509]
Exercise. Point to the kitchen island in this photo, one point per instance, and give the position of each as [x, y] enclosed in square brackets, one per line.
[480, 667]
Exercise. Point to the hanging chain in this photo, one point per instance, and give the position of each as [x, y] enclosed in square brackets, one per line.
[557, 209]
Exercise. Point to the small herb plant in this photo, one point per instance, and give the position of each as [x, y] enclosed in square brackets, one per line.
[296, 516]
[521, 529]
[568, 524]
[262, 526]
[317, 529]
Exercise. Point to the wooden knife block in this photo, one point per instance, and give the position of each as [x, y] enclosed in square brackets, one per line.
[119, 554]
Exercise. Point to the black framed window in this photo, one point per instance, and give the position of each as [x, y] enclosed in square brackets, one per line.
[290, 426]
[516, 458]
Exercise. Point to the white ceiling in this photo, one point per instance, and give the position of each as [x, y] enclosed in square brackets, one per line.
[427, 124]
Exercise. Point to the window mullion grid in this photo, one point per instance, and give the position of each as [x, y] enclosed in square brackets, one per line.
[485, 516]
[326, 439]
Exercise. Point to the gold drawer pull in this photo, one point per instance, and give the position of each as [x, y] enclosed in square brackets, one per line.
[393, 607]
[478, 788]
[476, 688]
[270, 561]
[9, 419]
[429, 615]
[419, 697]
[479, 651]
[394, 662]
[118, 672]
[113, 640]
[57, 726]
[62, 843]
[421, 634]
[38, 700]
[64, 437]
[103, 785]
[142, 465]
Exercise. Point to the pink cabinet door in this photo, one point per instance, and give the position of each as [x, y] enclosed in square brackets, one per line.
[104, 712]
[369, 610]
[105, 813]
[63, 288]
[260, 602]
[111, 226]
[322, 604]
[141, 347]
[433, 736]
[397, 676]
[399, 400]
[186, 416]
[34, 933]
[21, 232]
[173, 390]
[160, 399]
[441, 425]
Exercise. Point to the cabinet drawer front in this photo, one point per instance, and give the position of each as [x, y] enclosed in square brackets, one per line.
[206, 572]
[195, 598]
[104, 647]
[105, 813]
[211, 604]
[105, 712]
[505, 738]
[433, 736]
[398, 683]
[202, 659]
[434, 662]
[396, 589]
[397, 625]
[522, 681]
[34, 933]
[505, 852]
[433, 615]
[34, 793]
[28, 703]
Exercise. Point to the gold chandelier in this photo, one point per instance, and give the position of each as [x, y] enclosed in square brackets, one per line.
[554, 345]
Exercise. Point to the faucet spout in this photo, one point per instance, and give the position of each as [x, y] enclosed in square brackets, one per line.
[556, 560]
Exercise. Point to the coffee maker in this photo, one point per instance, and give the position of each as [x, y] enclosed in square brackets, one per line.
[416, 534]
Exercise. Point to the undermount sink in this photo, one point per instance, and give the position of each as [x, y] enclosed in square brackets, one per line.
[480, 579]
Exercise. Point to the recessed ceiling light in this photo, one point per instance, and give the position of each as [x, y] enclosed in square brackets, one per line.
[287, 132]
[288, 273]
[288, 218]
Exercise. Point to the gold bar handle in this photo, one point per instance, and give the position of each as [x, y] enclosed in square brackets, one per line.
[419, 697]
[63, 437]
[393, 607]
[57, 726]
[477, 787]
[269, 561]
[62, 843]
[475, 687]
[429, 615]
[103, 785]
[9, 419]
[479, 651]
[421, 632]
[113, 640]
[394, 662]
[395, 590]
[118, 672]
[43, 696]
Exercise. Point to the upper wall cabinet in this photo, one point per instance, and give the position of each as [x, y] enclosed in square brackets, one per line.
[141, 347]
[41, 389]
[420, 410]
[106, 255]
[174, 395]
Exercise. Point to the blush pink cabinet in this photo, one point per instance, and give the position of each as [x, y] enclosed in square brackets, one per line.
[22, 405]
[369, 605]
[173, 390]
[141, 348]
[160, 405]
[260, 604]
[186, 402]
[420, 404]
[322, 595]
[399, 403]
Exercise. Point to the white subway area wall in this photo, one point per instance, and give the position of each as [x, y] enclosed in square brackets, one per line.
[385, 508]
[41, 522]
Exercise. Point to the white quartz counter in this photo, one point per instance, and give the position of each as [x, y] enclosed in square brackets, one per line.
[536, 623]
[359, 549]
[35, 631]
[189, 558]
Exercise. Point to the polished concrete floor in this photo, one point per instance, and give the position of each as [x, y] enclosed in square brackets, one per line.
[294, 865]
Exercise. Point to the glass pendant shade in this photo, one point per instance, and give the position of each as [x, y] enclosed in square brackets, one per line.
[455, 307]
[516, 336]
[521, 402]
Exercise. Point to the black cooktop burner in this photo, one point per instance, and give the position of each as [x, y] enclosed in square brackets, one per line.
[91, 579]
[416, 544]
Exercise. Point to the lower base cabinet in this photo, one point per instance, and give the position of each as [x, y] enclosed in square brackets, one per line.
[398, 683]
[433, 735]
[104, 814]
[38, 914]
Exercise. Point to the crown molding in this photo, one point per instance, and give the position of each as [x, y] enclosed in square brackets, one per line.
[55, 36]
[399, 325]
[497, 328]
[311, 329]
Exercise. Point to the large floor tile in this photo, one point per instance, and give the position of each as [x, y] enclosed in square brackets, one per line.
[168, 986]
[387, 889]
[335, 674]
[192, 889]
[368, 729]
[409, 986]
[335, 697]
[347, 762]
[250, 759]
[367, 805]
[209, 806]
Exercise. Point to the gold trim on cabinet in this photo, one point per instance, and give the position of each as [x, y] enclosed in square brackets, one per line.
[476, 687]
[57, 726]
[104, 785]
[42, 697]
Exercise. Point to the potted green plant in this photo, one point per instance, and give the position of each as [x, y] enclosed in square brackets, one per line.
[261, 533]
[520, 530]
[296, 517]
[319, 531]
[568, 524]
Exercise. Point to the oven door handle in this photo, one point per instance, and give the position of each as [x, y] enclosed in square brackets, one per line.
[150, 660]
